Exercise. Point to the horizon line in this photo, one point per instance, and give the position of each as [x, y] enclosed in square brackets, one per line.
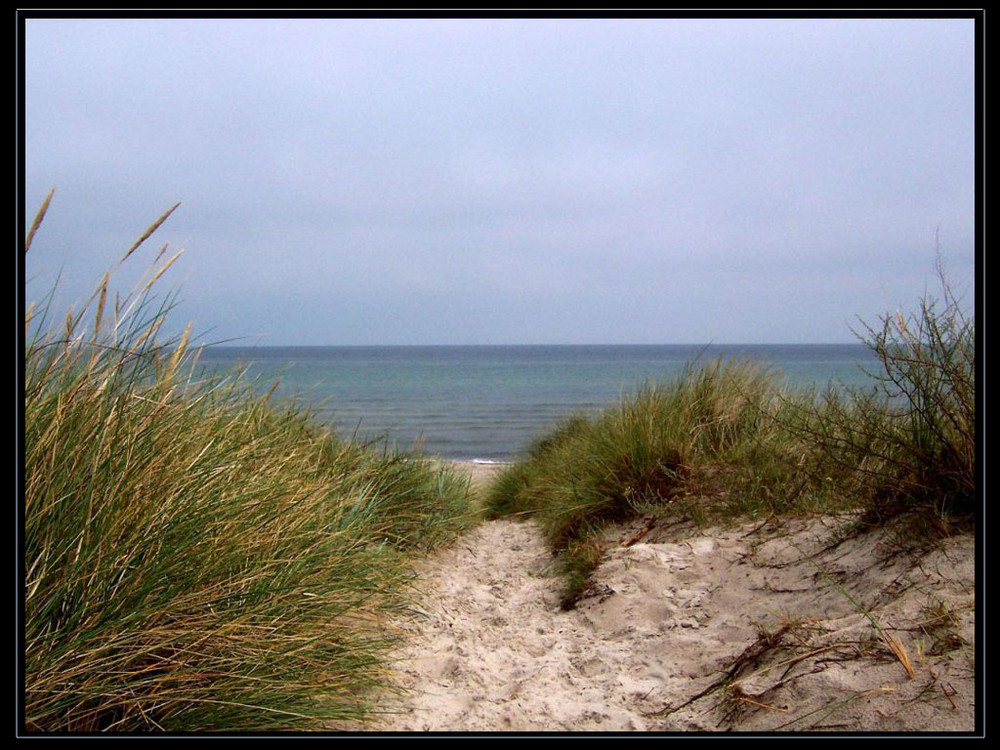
[232, 343]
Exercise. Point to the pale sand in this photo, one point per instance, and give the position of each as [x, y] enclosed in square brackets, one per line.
[680, 612]
[479, 472]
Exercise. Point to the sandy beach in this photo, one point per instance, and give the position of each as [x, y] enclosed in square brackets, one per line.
[788, 626]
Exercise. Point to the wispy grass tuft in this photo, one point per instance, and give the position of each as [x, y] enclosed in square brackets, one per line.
[907, 445]
[198, 558]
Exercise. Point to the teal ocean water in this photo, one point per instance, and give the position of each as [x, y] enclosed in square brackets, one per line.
[489, 402]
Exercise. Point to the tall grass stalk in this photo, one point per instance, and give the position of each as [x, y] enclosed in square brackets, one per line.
[196, 557]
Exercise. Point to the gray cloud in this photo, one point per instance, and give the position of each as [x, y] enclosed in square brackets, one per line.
[505, 181]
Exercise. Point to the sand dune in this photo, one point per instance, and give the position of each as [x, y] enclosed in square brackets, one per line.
[794, 627]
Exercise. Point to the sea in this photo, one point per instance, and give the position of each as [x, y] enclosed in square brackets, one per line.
[488, 403]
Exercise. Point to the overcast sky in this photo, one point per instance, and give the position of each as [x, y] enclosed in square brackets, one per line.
[508, 181]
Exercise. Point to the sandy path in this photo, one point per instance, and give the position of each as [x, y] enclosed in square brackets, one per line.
[680, 613]
[492, 642]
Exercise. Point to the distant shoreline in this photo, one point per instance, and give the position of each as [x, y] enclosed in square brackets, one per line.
[480, 471]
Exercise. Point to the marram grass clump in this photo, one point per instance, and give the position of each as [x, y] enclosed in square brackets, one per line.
[727, 441]
[198, 558]
[704, 438]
